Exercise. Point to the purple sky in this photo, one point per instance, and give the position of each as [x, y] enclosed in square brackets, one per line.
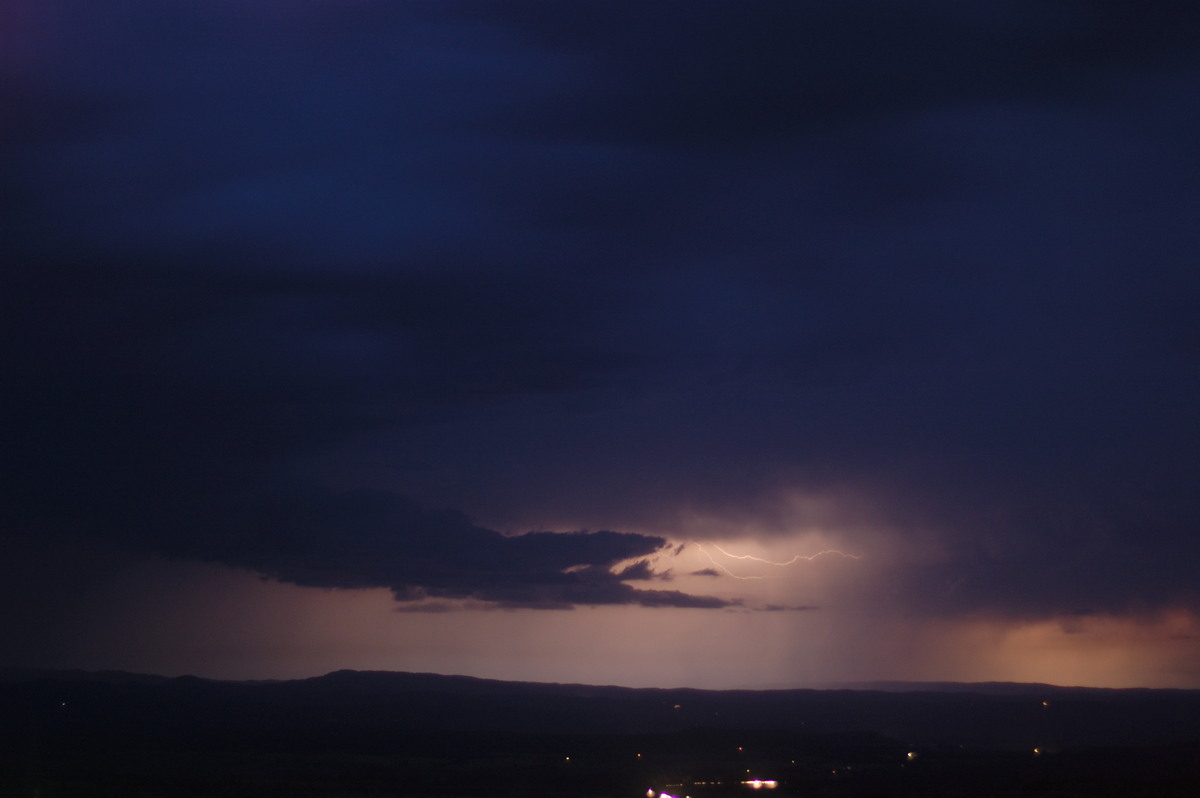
[708, 344]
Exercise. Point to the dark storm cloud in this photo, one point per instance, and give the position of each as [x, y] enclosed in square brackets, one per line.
[679, 73]
[599, 263]
[150, 413]
[374, 539]
[642, 570]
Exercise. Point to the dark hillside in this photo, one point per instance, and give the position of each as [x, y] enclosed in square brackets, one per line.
[403, 734]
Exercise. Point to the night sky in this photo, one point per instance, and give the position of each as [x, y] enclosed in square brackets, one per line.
[750, 344]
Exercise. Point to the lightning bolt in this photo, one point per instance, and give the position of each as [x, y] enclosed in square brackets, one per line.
[794, 560]
[807, 558]
[722, 567]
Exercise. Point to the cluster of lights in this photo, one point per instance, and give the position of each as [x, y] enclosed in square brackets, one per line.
[769, 784]
[761, 784]
[754, 784]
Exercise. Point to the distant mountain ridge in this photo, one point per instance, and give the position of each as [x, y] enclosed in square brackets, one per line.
[393, 680]
[367, 702]
[420, 734]
[10, 675]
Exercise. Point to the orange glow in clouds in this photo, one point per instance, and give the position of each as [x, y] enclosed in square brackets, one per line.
[1161, 649]
[165, 617]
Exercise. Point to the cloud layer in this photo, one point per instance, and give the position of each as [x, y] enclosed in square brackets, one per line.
[281, 277]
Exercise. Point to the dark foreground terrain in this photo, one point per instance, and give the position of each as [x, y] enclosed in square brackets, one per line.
[391, 734]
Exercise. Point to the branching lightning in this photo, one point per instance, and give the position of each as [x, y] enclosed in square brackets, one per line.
[721, 567]
[793, 561]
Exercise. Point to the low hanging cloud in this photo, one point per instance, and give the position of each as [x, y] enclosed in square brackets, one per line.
[375, 539]
[379, 540]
